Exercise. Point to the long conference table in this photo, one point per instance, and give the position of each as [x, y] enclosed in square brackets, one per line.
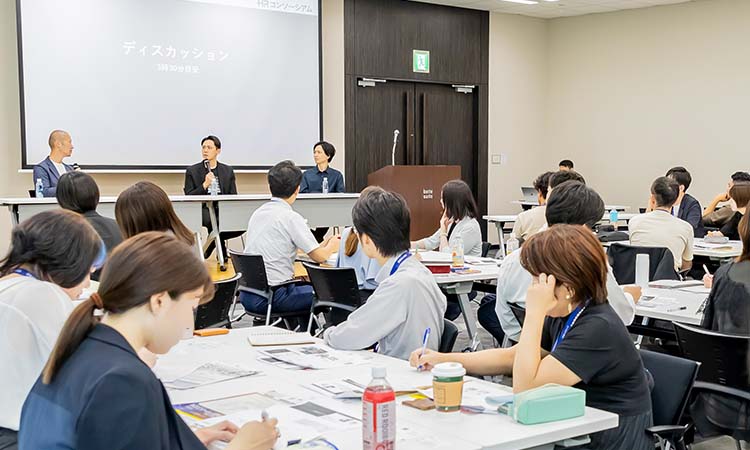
[320, 210]
[415, 429]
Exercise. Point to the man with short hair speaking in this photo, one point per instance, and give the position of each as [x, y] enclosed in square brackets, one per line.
[52, 168]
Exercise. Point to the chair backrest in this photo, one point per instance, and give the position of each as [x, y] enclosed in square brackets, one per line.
[448, 339]
[673, 381]
[337, 285]
[253, 270]
[622, 259]
[485, 249]
[723, 357]
[519, 312]
[216, 312]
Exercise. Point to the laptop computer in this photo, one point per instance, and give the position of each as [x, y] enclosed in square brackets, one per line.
[529, 194]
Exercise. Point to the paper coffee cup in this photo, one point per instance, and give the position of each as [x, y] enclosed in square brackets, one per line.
[448, 386]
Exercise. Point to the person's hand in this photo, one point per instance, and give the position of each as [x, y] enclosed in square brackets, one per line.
[445, 222]
[634, 291]
[256, 436]
[210, 177]
[222, 431]
[714, 234]
[540, 298]
[427, 361]
[147, 356]
[334, 242]
[708, 281]
[723, 197]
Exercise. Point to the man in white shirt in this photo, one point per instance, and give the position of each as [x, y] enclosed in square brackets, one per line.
[531, 221]
[659, 228]
[407, 300]
[52, 168]
[275, 231]
[572, 203]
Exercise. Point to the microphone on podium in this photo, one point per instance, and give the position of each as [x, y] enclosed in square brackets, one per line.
[393, 151]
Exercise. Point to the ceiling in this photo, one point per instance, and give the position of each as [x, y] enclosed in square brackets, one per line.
[548, 9]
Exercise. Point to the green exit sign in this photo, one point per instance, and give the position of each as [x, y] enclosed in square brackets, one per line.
[421, 61]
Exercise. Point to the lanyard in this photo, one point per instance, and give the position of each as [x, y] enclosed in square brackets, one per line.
[569, 324]
[404, 256]
[24, 273]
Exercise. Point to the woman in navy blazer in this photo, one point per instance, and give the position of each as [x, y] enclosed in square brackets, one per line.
[95, 392]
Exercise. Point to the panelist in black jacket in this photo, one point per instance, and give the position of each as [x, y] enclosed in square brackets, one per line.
[207, 177]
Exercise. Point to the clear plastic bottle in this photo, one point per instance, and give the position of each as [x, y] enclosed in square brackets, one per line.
[379, 413]
[325, 185]
[213, 188]
[614, 216]
[457, 252]
[512, 244]
[39, 188]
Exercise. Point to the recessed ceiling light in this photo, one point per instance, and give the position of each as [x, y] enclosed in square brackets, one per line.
[525, 2]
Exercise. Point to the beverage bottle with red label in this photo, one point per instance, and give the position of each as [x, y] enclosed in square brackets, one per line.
[379, 413]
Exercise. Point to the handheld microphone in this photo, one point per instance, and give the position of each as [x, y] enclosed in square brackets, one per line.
[207, 165]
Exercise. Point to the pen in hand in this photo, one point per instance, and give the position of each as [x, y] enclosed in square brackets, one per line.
[424, 345]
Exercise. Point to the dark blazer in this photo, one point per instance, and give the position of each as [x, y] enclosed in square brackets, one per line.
[109, 232]
[103, 397]
[196, 174]
[47, 171]
[692, 213]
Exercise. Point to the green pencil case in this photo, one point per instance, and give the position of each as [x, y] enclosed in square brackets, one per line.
[547, 403]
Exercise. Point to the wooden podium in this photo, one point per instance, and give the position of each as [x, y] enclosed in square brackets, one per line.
[420, 186]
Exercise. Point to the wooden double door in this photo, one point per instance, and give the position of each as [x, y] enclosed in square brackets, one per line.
[438, 125]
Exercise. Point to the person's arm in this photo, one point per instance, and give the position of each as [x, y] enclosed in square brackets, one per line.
[42, 173]
[708, 312]
[721, 198]
[384, 312]
[694, 217]
[339, 186]
[687, 256]
[323, 252]
[530, 368]
[429, 243]
[496, 361]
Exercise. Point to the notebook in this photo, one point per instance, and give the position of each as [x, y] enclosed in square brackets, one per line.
[265, 336]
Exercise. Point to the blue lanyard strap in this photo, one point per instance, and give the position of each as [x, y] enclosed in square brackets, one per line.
[404, 256]
[24, 273]
[569, 324]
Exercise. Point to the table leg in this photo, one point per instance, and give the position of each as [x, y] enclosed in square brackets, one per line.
[470, 320]
[13, 215]
[216, 236]
[644, 322]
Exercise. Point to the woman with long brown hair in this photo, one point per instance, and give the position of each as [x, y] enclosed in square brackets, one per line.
[739, 198]
[95, 392]
[145, 206]
[571, 336]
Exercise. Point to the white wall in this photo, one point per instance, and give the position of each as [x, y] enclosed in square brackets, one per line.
[635, 92]
[14, 184]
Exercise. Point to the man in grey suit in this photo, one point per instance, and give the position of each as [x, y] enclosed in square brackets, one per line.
[50, 170]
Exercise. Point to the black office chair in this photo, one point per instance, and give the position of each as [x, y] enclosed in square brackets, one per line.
[336, 293]
[32, 193]
[448, 339]
[673, 382]
[215, 313]
[622, 259]
[254, 281]
[724, 363]
[519, 312]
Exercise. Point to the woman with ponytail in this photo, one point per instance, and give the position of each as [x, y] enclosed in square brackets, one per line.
[352, 255]
[48, 265]
[95, 393]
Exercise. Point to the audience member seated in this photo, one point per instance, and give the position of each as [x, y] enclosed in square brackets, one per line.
[566, 165]
[48, 265]
[275, 232]
[145, 206]
[727, 311]
[78, 192]
[199, 178]
[52, 167]
[715, 216]
[659, 228]
[687, 207]
[739, 197]
[407, 300]
[575, 204]
[571, 336]
[352, 255]
[459, 220]
[531, 221]
[95, 392]
[561, 177]
[312, 179]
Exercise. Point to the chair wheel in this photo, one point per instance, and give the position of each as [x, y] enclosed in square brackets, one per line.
[223, 268]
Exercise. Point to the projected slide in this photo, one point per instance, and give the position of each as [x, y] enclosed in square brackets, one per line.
[138, 83]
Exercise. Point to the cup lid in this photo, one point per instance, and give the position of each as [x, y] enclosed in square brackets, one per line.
[448, 370]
